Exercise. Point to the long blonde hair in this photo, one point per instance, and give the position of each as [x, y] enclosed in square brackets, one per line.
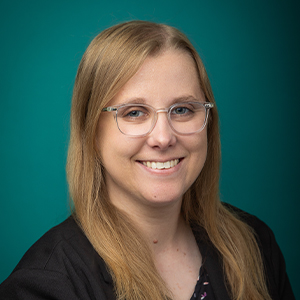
[111, 59]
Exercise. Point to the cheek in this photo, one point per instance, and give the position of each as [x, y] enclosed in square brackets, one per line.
[198, 150]
[114, 147]
[198, 145]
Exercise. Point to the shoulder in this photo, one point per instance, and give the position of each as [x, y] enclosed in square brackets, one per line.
[264, 235]
[272, 256]
[260, 228]
[58, 241]
[61, 264]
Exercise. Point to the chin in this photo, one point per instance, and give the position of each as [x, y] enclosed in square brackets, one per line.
[163, 199]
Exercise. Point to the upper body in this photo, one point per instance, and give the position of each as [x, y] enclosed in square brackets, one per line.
[63, 265]
[143, 173]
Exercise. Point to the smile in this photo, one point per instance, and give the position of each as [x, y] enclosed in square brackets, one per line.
[161, 165]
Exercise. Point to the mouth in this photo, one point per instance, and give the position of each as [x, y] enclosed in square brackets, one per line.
[161, 165]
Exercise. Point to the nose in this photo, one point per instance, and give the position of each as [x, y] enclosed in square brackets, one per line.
[162, 135]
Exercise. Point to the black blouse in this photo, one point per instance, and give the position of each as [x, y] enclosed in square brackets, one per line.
[64, 265]
[203, 289]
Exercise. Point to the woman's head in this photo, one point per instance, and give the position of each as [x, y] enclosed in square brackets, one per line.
[111, 59]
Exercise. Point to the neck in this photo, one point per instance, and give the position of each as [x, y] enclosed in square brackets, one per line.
[162, 227]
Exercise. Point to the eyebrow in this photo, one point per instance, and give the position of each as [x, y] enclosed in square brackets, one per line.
[135, 101]
[184, 98]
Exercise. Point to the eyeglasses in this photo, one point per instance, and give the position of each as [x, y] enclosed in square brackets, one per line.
[138, 120]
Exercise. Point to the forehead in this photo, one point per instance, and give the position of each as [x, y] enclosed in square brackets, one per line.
[167, 76]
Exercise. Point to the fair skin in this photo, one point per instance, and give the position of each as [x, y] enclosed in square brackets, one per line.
[153, 197]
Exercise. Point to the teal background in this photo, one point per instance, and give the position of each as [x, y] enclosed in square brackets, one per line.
[251, 51]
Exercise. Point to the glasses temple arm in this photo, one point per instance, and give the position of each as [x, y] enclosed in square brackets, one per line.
[109, 108]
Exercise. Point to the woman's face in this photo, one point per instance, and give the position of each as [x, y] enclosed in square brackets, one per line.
[131, 184]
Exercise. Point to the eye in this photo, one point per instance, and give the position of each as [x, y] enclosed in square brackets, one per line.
[133, 113]
[183, 109]
[186, 111]
[180, 110]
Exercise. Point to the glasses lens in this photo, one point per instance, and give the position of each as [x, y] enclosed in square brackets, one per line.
[188, 117]
[135, 120]
[138, 119]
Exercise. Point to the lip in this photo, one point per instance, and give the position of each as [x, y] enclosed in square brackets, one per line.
[164, 170]
[160, 160]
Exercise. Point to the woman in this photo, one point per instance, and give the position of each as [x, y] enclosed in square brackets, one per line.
[143, 173]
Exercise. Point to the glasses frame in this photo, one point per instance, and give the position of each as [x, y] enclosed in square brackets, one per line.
[115, 108]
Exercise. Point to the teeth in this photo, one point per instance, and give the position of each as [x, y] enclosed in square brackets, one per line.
[161, 165]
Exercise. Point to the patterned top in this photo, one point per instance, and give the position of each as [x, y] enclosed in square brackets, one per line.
[203, 290]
